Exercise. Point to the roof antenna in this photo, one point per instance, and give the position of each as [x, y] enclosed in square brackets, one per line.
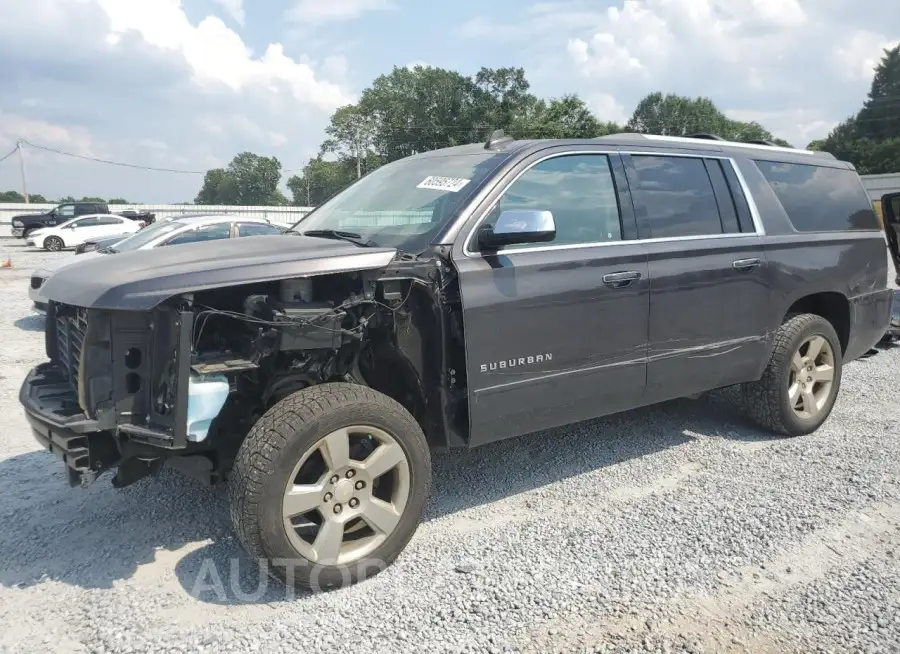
[497, 136]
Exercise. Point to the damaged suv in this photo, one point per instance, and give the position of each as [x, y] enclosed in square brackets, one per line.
[451, 299]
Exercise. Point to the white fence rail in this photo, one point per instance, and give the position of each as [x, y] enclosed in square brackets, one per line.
[878, 185]
[280, 215]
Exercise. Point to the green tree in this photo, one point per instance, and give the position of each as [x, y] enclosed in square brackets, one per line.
[250, 179]
[879, 118]
[870, 140]
[216, 186]
[422, 109]
[351, 135]
[564, 118]
[12, 196]
[37, 198]
[320, 180]
[91, 199]
[675, 115]
[66, 198]
[119, 201]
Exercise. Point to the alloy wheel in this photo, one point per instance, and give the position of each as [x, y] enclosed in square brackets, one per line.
[346, 495]
[811, 377]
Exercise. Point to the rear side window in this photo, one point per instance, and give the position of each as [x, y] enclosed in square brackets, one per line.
[678, 196]
[819, 199]
[257, 229]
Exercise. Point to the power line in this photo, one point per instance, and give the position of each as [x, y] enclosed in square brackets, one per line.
[113, 163]
[121, 163]
[7, 156]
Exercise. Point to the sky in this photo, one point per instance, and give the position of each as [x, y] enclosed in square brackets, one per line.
[186, 84]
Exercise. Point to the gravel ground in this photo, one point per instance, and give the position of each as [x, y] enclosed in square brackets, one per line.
[668, 529]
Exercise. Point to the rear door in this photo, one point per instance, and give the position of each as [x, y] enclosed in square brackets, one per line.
[555, 332]
[709, 291]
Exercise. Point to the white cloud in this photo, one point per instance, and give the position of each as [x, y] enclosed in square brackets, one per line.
[606, 108]
[234, 9]
[145, 84]
[859, 53]
[218, 54]
[322, 11]
[76, 140]
[802, 64]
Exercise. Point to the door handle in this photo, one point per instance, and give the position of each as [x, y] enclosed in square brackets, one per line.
[745, 264]
[621, 279]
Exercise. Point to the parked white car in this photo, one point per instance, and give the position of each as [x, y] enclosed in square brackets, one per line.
[76, 231]
[175, 231]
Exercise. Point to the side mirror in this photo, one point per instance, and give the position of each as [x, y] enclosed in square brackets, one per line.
[518, 226]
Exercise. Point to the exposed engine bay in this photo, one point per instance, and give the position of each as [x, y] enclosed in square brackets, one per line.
[185, 382]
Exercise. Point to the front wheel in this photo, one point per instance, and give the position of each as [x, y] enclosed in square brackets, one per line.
[330, 485]
[798, 389]
[53, 244]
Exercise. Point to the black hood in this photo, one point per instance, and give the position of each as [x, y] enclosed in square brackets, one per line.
[142, 279]
[31, 215]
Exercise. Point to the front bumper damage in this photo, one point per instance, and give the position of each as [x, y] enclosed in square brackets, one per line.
[59, 425]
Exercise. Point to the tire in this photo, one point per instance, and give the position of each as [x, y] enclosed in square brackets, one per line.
[768, 401]
[53, 244]
[271, 456]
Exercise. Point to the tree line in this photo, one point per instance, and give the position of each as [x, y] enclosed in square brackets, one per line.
[37, 198]
[413, 110]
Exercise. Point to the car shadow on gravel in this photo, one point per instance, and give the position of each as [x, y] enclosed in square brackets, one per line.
[33, 323]
[98, 537]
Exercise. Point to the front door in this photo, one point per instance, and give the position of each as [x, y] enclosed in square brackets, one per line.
[556, 332]
[710, 293]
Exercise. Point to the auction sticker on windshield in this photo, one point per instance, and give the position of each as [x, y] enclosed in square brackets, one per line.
[452, 184]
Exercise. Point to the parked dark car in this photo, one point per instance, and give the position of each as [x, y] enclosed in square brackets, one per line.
[451, 299]
[97, 244]
[22, 225]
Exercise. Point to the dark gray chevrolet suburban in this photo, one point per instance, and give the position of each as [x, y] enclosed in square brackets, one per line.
[451, 299]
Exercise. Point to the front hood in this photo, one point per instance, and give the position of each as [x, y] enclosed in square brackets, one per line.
[52, 266]
[37, 232]
[26, 216]
[142, 279]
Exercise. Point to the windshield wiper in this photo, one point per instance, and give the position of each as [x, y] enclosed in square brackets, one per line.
[109, 250]
[352, 237]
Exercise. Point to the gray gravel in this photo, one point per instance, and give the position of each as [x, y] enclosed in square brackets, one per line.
[668, 529]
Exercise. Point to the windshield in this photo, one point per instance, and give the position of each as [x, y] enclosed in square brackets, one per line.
[146, 235]
[404, 204]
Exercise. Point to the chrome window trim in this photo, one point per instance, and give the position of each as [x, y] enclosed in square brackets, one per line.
[759, 229]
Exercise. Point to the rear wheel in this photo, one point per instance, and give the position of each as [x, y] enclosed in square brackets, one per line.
[798, 389]
[330, 485]
[53, 243]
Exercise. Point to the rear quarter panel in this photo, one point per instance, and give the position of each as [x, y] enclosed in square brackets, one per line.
[853, 263]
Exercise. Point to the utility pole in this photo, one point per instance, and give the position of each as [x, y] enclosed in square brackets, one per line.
[358, 155]
[22, 165]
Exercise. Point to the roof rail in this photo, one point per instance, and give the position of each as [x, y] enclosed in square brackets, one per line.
[497, 136]
[705, 135]
[761, 142]
[734, 144]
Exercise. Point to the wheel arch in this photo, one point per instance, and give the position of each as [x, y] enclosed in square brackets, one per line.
[830, 305]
